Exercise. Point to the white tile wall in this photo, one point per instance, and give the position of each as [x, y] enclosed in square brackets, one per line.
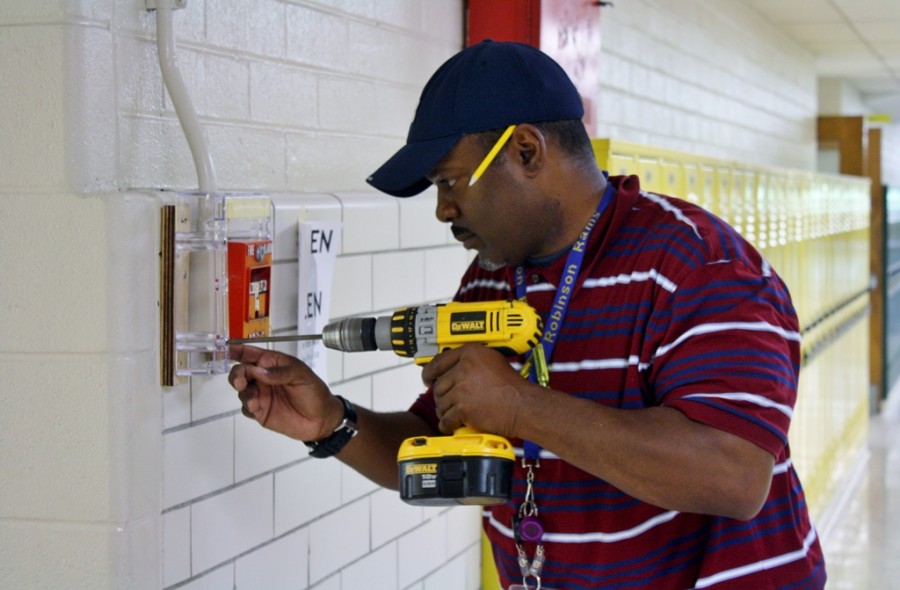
[197, 460]
[176, 554]
[378, 570]
[214, 580]
[176, 405]
[331, 583]
[281, 565]
[207, 398]
[391, 518]
[395, 389]
[441, 278]
[354, 485]
[352, 285]
[457, 574]
[306, 491]
[257, 450]
[371, 222]
[397, 278]
[329, 552]
[422, 551]
[462, 523]
[231, 523]
[419, 228]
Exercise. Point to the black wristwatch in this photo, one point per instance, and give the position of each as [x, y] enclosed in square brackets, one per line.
[347, 429]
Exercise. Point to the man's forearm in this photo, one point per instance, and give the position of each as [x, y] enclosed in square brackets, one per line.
[373, 452]
[657, 455]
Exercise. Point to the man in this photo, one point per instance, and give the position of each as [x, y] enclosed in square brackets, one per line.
[656, 456]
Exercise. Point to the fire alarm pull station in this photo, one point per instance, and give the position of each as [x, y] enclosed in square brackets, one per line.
[249, 273]
[215, 278]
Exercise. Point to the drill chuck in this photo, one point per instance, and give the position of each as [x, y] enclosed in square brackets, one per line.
[350, 335]
[358, 334]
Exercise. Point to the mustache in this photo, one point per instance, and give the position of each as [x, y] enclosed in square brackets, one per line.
[459, 231]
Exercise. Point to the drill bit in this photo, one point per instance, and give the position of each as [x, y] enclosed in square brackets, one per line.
[267, 339]
[347, 335]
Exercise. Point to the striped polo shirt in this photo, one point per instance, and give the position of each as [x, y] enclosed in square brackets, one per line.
[672, 308]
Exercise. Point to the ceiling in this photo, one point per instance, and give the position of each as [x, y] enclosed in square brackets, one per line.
[854, 40]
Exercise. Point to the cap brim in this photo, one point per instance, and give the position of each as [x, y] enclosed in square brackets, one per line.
[403, 175]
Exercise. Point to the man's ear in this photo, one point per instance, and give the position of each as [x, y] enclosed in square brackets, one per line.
[529, 148]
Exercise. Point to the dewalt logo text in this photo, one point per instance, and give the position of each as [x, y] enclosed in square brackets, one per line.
[421, 468]
[467, 327]
[468, 322]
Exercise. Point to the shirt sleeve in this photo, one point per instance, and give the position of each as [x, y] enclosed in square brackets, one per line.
[726, 352]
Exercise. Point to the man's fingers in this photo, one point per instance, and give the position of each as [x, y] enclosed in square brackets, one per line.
[244, 379]
[439, 365]
[243, 353]
[237, 377]
[247, 394]
[449, 421]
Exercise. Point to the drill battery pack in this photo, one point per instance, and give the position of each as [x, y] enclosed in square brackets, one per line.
[469, 468]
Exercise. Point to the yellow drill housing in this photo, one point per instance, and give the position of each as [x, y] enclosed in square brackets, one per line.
[512, 327]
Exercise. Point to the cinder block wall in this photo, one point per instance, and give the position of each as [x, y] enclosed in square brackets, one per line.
[707, 77]
[111, 481]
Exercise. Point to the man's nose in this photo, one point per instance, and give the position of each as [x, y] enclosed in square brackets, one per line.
[446, 210]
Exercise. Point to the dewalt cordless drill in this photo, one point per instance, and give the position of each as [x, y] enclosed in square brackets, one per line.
[468, 467]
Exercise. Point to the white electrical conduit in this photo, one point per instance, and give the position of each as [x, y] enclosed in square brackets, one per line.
[181, 100]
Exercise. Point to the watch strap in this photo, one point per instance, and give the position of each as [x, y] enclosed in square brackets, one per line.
[337, 440]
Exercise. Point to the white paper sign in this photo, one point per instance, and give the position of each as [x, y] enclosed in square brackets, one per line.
[320, 242]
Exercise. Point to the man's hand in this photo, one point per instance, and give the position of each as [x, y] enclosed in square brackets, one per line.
[283, 394]
[475, 386]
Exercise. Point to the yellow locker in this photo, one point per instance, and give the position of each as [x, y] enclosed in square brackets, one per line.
[621, 165]
[649, 171]
[692, 188]
[748, 181]
[672, 178]
[709, 190]
[725, 182]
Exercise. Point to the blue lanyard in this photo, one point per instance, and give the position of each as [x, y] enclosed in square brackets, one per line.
[564, 291]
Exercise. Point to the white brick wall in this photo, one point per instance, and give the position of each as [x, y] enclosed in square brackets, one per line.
[290, 105]
[707, 76]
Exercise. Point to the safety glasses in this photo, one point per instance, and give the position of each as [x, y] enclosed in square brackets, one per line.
[491, 155]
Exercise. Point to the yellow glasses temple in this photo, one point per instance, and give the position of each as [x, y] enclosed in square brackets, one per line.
[491, 155]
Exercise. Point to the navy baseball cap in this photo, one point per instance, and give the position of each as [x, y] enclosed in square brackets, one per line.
[487, 86]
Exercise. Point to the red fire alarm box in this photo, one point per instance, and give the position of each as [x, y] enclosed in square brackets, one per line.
[249, 282]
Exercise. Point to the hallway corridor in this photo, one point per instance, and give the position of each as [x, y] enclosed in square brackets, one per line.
[862, 540]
